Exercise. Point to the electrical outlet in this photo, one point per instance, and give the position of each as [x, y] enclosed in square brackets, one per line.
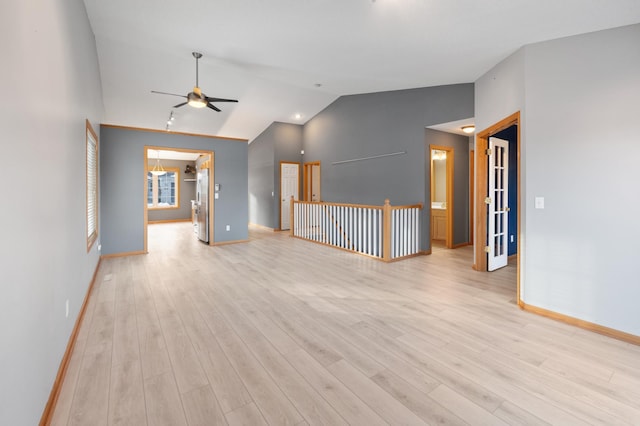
[228, 227]
[66, 309]
[99, 247]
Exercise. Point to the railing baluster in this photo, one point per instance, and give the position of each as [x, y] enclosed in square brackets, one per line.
[359, 228]
[405, 240]
[352, 227]
[374, 226]
[317, 222]
[393, 234]
[334, 225]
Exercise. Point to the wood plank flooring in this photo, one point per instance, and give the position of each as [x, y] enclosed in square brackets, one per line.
[280, 331]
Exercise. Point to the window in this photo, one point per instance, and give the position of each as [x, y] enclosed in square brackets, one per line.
[162, 190]
[92, 185]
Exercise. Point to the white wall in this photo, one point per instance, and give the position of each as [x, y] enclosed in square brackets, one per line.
[50, 83]
[498, 94]
[580, 152]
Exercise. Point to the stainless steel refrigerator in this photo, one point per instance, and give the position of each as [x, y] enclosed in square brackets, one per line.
[202, 205]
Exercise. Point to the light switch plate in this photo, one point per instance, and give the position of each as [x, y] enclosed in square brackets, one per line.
[539, 202]
[216, 195]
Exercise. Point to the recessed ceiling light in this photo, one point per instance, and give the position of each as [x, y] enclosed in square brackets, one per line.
[298, 116]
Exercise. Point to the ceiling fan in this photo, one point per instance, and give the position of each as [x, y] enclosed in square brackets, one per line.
[197, 99]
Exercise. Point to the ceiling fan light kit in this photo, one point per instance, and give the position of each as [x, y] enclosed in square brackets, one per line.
[197, 99]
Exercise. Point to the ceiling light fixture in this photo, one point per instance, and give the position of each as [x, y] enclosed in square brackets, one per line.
[469, 129]
[158, 170]
[170, 121]
[298, 116]
[438, 155]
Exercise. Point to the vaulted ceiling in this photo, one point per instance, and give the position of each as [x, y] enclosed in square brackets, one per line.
[281, 58]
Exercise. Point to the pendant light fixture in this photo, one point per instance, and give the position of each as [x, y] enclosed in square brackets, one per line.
[158, 170]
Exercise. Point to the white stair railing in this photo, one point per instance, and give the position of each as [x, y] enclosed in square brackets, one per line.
[383, 232]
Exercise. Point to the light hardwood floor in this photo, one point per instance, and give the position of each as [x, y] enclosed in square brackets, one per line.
[281, 331]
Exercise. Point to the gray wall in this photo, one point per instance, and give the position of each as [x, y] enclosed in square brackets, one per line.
[279, 142]
[288, 144]
[48, 48]
[579, 102]
[186, 191]
[261, 182]
[122, 171]
[460, 145]
[381, 123]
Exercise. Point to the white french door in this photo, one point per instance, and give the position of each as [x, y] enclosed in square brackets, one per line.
[498, 201]
[289, 181]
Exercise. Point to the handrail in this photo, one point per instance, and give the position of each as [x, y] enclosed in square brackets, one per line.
[384, 232]
[342, 204]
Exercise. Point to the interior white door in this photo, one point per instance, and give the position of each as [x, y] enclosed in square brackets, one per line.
[498, 204]
[289, 181]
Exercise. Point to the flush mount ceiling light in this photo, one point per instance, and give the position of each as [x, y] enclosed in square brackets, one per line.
[469, 129]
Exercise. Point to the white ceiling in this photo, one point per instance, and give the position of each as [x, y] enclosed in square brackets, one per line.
[454, 126]
[270, 55]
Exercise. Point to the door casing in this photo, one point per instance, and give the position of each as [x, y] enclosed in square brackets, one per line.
[481, 187]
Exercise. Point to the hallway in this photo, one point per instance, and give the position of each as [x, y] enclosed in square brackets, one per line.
[282, 331]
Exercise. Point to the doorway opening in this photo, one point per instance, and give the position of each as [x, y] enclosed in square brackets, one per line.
[442, 167]
[311, 180]
[482, 196]
[171, 189]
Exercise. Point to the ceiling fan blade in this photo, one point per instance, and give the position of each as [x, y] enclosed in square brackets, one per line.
[179, 105]
[221, 100]
[165, 93]
[213, 107]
